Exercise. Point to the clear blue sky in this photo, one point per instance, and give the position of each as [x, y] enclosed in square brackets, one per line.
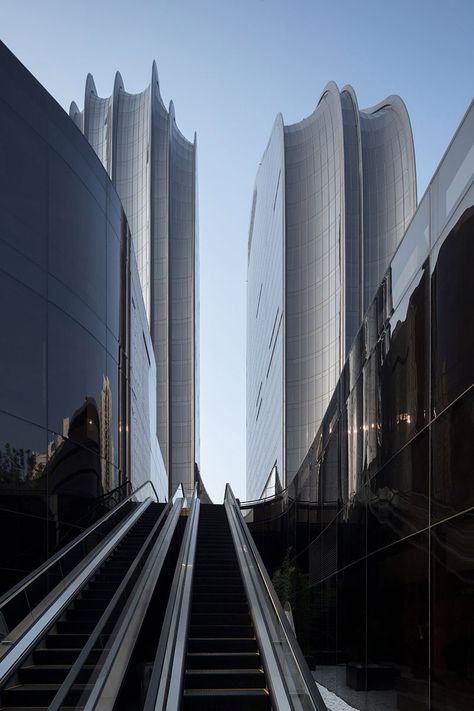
[230, 66]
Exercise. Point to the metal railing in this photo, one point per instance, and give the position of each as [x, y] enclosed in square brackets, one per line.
[166, 683]
[19, 603]
[291, 683]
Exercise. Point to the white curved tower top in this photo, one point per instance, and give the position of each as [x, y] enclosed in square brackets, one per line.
[333, 197]
[153, 167]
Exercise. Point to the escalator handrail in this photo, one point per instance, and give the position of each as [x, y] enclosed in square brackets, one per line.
[251, 549]
[143, 553]
[115, 660]
[16, 654]
[166, 682]
[44, 567]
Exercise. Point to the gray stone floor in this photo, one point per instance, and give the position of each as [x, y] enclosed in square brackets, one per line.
[339, 697]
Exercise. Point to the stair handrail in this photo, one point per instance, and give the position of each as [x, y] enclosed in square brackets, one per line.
[152, 546]
[309, 697]
[165, 689]
[57, 558]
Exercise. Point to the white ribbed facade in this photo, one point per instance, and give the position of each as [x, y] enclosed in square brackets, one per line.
[334, 194]
[153, 167]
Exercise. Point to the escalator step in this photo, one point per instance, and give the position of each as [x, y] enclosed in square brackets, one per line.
[214, 596]
[62, 656]
[221, 605]
[222, 644]
[39, 694]
[66, 641]
[51, 674]
[228, 699]
[224, 679]
[220, 618]
[223, 660]
[221, 630]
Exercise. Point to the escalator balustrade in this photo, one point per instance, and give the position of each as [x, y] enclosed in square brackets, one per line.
[39, 677]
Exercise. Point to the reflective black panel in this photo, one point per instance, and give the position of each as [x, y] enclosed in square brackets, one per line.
[452, 487]
[351, 634]
[403, 389]
[77, 242]
[59, 388]
[398, 502]
[452, 299]
[23, 193]
[24, 511]
[76, 369]
[398, 624]
[351, 530]
[452, 605]
[23, 349]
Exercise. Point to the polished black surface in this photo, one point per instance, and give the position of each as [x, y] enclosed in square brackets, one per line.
[452, 599]
[63, 296]
[372, 541]
[452, 298]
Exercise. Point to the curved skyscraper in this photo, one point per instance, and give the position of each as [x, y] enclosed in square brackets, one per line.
[153, 167]
[333, 197]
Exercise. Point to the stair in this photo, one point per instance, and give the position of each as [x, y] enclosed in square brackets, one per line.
[223, 664]
[37, 681]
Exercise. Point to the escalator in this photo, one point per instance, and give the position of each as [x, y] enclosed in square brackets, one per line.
[171, 610]
[37, 681]
[223, 664]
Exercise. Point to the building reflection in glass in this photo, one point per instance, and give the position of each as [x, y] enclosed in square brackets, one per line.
[374, 537]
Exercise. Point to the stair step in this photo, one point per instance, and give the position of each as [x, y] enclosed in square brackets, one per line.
[62, 656]
[52, 674]
[221, 630]
[220, 618]
[228, 699]
[214, 596]
[206, 584]
[222, 644]
[80, 627]
[223, 660]
[66, 641]
[224, 679]
[39, 694]
[221, 606]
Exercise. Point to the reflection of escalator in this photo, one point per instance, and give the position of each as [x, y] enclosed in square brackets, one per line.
[36, 682]
[223, 664]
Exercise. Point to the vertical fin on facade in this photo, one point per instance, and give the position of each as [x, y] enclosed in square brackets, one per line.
[152, 166]
[76, 115]
[349, 194]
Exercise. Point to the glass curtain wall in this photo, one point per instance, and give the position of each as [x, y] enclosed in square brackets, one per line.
[64, 261]
[372, 544]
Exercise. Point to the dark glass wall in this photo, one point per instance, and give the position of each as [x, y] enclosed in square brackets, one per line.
[373, 542]
[63, 341]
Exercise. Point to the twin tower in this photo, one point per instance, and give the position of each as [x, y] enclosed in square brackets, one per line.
[333, 197]
[153, 168]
